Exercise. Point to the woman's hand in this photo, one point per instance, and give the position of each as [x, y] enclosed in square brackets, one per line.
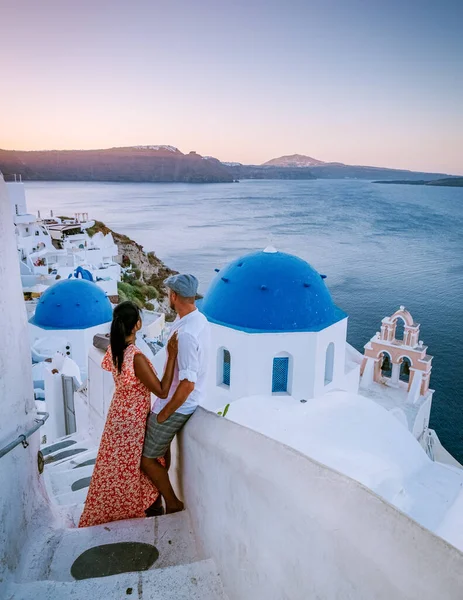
[172, 346]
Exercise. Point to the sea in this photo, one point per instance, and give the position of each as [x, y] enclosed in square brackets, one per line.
[381, 246]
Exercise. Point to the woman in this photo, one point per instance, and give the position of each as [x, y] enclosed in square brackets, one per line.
[119, 489]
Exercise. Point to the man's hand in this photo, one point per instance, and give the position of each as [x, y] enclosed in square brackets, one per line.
[182, 392]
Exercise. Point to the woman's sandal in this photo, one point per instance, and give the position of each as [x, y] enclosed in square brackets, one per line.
[155, 510]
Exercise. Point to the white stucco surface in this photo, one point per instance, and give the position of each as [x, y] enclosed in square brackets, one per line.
[355, 436]
[21, 493]
[252, 362]
[17, 197]
[280, 525]
[79, 340]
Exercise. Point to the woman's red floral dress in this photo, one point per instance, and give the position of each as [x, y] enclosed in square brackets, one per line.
[119, 489]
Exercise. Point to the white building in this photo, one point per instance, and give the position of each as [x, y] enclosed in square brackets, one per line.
[73, 310]
[56, 248]
[275, 330]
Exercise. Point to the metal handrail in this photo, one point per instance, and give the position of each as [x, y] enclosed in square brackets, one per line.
[22, 439]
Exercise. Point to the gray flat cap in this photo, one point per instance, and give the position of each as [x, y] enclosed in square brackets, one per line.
[184, 285]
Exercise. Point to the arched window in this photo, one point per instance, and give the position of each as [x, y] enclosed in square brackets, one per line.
[280, 374]
[226, 367]
[399, 329]
[329, 363]
[405, 369]
[386, 364]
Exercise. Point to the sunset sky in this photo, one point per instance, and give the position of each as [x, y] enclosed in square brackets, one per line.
[359, 81]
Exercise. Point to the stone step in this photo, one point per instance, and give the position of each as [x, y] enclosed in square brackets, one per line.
[194, 581]
[171, 535]
[68, 452]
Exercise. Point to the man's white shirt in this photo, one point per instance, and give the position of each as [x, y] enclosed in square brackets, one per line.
[192, 360]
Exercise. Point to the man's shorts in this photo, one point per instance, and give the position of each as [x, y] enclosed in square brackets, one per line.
[158, 436]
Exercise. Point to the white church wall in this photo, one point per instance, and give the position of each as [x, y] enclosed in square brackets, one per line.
[351, 382]
[252, 363]
[422, 418]
[341, 540]
[335, 334]
[22, 494]
[80, 341]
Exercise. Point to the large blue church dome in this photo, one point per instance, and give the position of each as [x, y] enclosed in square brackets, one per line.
[270, 292]
[72, 304]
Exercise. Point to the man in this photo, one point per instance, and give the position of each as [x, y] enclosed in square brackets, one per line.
[187, 389]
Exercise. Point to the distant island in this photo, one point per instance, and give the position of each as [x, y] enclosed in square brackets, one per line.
[447, 181]
[160, 164]
[166, 164]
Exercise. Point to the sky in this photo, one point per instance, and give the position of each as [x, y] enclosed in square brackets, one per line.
[369, 82]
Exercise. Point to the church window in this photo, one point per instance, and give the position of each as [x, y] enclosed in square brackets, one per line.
[329, 363]
[226, 367]
[280, 374]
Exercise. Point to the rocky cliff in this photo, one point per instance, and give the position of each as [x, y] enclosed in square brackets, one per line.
[137, 164]
[144, 281]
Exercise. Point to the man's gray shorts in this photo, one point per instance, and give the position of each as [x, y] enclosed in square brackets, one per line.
[158, 436]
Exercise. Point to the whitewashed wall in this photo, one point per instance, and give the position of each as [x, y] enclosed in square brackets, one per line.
[252, 363]
[17, 196]
[80, 340]
[282, 527]
[422, 418]
[91, 418]
[21, 493]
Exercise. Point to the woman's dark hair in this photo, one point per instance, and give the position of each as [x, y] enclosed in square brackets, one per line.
[125, 316]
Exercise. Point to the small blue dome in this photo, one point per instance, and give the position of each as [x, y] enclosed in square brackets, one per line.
[72, 304]
[270, 292]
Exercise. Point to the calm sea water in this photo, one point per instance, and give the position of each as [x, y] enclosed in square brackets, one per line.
[380, 245]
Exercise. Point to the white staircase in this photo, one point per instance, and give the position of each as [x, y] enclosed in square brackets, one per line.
[179, 573]
[196, 581]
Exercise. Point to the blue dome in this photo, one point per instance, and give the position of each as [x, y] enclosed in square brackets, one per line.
[270, 292]
[72, 304]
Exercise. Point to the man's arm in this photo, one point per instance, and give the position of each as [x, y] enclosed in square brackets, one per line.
[182, 392]
[188, 367]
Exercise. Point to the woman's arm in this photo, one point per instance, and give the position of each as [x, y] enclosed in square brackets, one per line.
[148, 377]
[145, 373]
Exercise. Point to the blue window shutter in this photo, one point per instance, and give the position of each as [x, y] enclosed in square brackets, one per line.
[226, 367]
[280, 374]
